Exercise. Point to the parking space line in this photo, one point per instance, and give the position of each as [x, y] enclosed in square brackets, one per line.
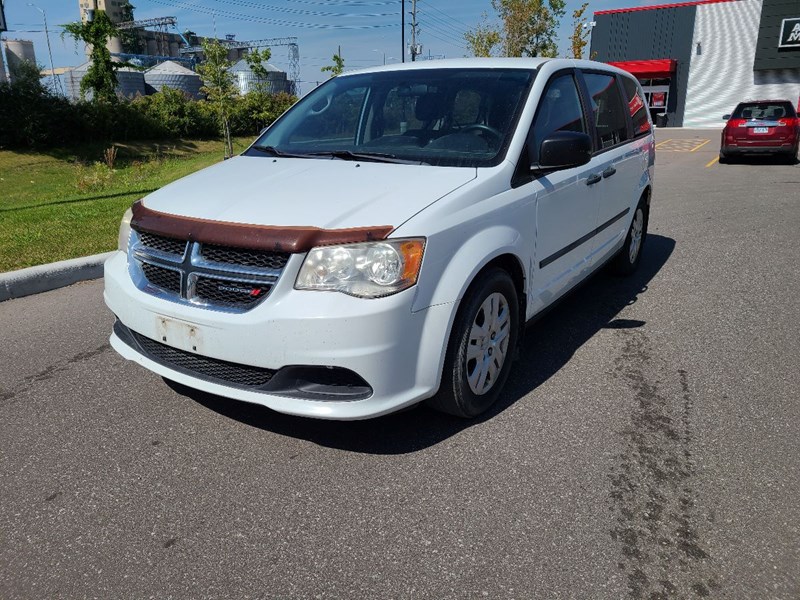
[699, 146]
[713, 162]
[662, 143]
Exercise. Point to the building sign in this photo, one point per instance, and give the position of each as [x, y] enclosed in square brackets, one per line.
[790, 33]
[2, 18]
[659, 100]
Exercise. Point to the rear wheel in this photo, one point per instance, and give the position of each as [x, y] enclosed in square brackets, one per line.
[481, 347]
[629, 256]
[723, 158]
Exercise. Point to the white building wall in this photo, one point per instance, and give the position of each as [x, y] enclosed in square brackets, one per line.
[722, 74]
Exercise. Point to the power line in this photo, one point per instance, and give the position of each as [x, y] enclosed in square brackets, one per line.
[443, 25]
[461, 23]
[300, 11]
[267, 20]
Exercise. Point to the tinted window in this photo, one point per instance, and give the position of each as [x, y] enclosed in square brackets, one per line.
[764, 110]
[636, 106]
[607, 110]
[559, 110]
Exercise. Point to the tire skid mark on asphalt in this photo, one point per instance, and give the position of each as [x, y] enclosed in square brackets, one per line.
[51, 371]
[652, 491]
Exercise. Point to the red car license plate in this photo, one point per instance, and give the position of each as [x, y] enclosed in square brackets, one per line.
[760, 129]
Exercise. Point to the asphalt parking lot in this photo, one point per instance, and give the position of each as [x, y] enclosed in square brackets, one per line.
[646, 446]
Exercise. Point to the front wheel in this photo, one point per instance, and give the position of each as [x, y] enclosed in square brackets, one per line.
[481, 347]
[629, 256]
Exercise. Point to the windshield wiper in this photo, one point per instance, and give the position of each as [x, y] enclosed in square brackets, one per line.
[368, 156]
[275, 152]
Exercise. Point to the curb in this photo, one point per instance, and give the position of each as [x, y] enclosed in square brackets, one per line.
[44, 278]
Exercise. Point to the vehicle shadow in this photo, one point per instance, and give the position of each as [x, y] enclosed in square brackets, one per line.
[548, 346]
[767, 159]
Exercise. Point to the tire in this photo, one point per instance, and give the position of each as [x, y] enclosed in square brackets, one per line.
[723, 159]
[629, 256]
[481, 347]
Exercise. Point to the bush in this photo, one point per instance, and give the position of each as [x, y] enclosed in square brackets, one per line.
[38, 118]
[256, 110]
[178, 114]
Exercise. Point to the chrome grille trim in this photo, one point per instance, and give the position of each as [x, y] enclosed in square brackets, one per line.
[191, 266]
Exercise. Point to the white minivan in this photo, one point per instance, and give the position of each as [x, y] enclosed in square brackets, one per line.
[385, 241]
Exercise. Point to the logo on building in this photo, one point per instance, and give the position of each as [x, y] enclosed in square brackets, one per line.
[790, 33]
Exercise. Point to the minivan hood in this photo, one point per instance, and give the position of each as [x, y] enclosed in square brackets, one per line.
[325, 193]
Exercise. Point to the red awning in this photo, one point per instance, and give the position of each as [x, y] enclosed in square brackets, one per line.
[648, 69]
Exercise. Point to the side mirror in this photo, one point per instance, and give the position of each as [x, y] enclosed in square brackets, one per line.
[563, 150]
[725, 117]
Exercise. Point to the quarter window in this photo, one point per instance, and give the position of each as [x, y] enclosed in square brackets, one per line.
[559, 110]
[607, 111]
[636, 107]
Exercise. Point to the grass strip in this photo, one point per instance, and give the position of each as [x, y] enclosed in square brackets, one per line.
[67, 203]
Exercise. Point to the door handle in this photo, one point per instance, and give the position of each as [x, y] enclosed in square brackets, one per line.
[593, 178]
[609, 172]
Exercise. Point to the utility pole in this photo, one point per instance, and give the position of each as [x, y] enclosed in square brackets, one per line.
[415, 48]
[403, 31]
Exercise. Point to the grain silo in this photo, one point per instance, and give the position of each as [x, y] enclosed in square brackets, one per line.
[130, 82]
[17, 52]
[172, 75]
[246, 80]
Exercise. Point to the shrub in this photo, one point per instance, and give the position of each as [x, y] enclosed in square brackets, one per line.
[38, 118]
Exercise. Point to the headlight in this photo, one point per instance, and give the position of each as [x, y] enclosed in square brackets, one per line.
[369, 270]
[125, 231]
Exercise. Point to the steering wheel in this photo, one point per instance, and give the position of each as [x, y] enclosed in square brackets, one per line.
[481, 128]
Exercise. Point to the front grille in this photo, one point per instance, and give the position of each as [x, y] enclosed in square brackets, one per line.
[202, 366]
[244, 257]
[206, 275]
[165, 279]
[162, 244]
[234, 293]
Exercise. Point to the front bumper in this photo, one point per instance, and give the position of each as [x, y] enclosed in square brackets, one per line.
[397, 353]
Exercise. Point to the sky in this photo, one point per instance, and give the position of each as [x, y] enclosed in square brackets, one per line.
[368, 31]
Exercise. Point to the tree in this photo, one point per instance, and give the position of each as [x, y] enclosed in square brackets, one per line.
[261, 106]
[527, 28]
[337, 68]
[218, 87]
[131, 42]
[483, 40]
[255, 60]
[579, 31]
[101, 77]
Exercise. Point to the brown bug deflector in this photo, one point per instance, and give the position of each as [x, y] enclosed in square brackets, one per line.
[241, 235]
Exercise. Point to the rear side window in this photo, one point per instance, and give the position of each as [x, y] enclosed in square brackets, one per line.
[607, 109]
[559, 110]
[764, 110]
[636, 107]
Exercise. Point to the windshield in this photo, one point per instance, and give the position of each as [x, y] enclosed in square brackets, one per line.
[764, 110]
[443, 117]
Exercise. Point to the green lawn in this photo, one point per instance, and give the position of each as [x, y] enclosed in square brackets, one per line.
[67, 203]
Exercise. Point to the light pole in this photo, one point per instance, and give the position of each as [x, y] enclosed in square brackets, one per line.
[384, 55]
[56, 80]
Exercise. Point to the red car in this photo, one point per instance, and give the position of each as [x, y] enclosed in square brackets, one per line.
[761, 127]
